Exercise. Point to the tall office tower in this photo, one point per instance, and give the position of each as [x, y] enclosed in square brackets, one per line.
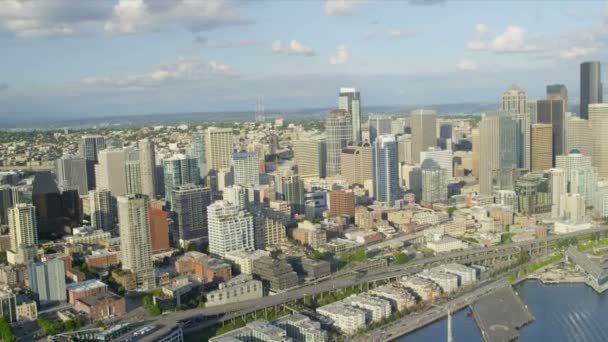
[434, 184]
[443, 159]
[135, 241]
[7, 201]
[100, 205]
[445, 131]
[23, 234]
[350, 101]
[71, 173]
[498, 147]
[338, 130]
[558, 92]
[199, 151]
[598, 119]
[559, 187]
[475, 151]
[245, 167]
[190, 204]
[424, 131]
[404, 147]
[110, 171]
[379, 125]
[552, 112]
[179, 169]
[386, 169]
[230, 228]
[579, 136]
[580, 174]
[541, 147]
[293, 193]
[55, 210]
[237, 195]
[515, 101]
[218, 148]
[398, 126]
[356, 163]
[311, 156]
[591, 87]
[147, 165]
[88, 148]
[132, 170]
[47, 281]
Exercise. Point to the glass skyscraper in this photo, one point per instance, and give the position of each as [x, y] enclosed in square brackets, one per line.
[386, 169]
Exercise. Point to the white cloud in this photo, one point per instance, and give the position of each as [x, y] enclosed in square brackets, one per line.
[342, 55]
[467, 65]
[400, 33]
[340, 7]
[511, 40]
[578, 52]
[184, 69]
[294, 48]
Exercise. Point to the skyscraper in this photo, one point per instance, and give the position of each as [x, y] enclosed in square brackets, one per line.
[190, 204]
[147, 161]
[230, 228]
[349, 100]
[559, 187]
[110, 171]
[71, 173]
[293, 193]
[580, 174]
[434, 184]
[7, 201]
[88, 148]
[379, 125]
[356, 162]
[515, 101]
[311, 156]
[23, 232]
[100, 206]
[199, 151]
[245, 166]
[541, 147]
[579, 136]
[338, 129]
[135, 242]
[386, 169]
[558, 92]
[219, 148]
[591, 86]
[47, 280]
[443, 159]
[598, 119]
[552, 112]
[424, 131]
[132, 170]
[476, 151]
[179, 169]
[498, 147]
[55, 209]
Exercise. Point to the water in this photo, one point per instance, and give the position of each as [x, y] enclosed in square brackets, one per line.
[563, 313]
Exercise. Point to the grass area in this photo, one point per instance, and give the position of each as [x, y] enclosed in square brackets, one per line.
[534, 267]
[220, 329]
[591, 244]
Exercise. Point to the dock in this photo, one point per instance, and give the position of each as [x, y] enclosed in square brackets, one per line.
[500, 314]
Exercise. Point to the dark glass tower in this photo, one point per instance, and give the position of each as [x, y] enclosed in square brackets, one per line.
[591, 86]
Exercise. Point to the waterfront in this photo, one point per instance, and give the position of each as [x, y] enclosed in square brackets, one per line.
[563, 312]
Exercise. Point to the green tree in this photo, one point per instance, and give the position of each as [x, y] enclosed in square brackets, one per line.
[6, 333]
[401, 258]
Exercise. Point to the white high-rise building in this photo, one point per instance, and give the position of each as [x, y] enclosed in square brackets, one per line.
[424, 131]
[498, 147]
[349, 100]
[580, 175]
[434, 185]
[135, 240]
[23, 234]
[88, 148]
[100, 206]
[132, 170]
[147, 161]
[245, 168]
[230, 228]
[559, 186]
[598, 119]
[71, 172]
[572, 207]
[236, 194]
[515, 101]
[386, 169]
[311, 156]
[579, 136]
[110, 171]
[219, 148]
[443, 159]
[339, 133]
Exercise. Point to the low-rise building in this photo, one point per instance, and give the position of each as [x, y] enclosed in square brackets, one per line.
[446, 281]
[302, 329]
[27, 310]
[376, 308]
[445, 243]
[425, 289]
[125, 278]
[102, 306]
[85, 289]
[237, 289]
[466, 275]
[346, 318]
[101, 258]
[255, 331]
[277, 275]
[88, 236]
[399, 297]
[243, 260]
[179, 290]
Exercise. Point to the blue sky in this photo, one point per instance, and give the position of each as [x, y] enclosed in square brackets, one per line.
[119, 57]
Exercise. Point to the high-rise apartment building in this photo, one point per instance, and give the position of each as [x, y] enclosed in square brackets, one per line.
[498, 147]
[179, 169]
[311, 156]
[100, 206]
[349, 100]
[189, 205]
[559, 187]
[47, 280]
[579, 136]
[135, 241]
[219, 148]
[434, 184]
[424, 131]
[199, 151]
[245, 168]
[475, 151]
[357, 163]
[88, 147]
[230, 228]
[580, 174]
[598, 119]
[133, 170]
[110, 171]
[552, 112]
[515, 101]
[442, 159]
[591, 87]
[293, 193]
[379, 125]
[386, 169]
[147, 161]
[71, 173]
[23, 233]
[541, 147]
[338, 130]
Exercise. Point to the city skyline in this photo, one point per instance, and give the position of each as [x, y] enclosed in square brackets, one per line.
[92, 69]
